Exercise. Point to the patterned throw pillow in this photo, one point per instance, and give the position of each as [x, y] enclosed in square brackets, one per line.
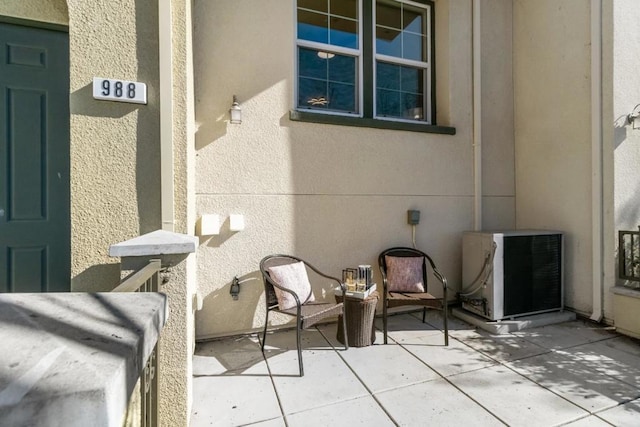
[404, 274]
[293, 277]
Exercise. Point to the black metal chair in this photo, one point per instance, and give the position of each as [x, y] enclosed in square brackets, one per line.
[392, 299]
[307, 313]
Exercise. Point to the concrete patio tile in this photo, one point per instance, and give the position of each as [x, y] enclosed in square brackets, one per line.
[363, 411]
[623, 415]
[504, 348]
[281, 347]
[514, 399]
[453, 359]
[229, 356]
[436, 319]
[233, 400]
[618, 357]
[406, 329]
[276, 422]
[327, 380]
[435, 403]
[565, 335]
[590, 421]
[568, 377]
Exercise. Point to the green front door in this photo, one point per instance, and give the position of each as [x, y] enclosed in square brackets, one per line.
[34, 160]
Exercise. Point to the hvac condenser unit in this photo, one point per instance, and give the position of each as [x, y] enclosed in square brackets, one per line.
[507, 274]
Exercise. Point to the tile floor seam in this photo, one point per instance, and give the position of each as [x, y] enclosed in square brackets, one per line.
[445, 378]
[360, 379]
[273, 384]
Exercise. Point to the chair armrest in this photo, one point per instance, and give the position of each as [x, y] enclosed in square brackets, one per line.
[335, 279]
[441, 278]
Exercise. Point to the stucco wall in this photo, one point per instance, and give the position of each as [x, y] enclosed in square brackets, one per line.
[626, 95]
[51, 11]
[333, 195]
[553, 131]
[498, 174]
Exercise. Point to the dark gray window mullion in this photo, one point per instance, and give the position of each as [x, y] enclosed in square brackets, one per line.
[367, 58]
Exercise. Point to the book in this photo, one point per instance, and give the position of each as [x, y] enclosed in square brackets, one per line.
[357, 294]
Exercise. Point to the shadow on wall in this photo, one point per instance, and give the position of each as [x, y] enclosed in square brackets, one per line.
[243, 310]
[97, 278]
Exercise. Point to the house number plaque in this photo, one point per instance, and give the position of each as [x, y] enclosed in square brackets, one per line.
[119, 90]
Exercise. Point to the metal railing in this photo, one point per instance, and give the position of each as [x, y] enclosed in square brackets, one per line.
[146, 280]
[629, 255]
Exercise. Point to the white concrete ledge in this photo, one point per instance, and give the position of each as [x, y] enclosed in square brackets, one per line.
[627, 291]
[159, 242]
[73, 359]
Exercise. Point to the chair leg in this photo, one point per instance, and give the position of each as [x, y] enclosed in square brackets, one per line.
[264, 332]
[424, 314]
[298, 331]
[445, 309]
[384, 318]
[344, 327]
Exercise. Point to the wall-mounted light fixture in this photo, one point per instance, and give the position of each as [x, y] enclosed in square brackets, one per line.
[235, 112]
[633, 115]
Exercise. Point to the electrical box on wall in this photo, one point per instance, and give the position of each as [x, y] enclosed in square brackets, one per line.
[413, 217]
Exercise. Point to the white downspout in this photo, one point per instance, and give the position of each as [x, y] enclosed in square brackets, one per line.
[596, 159]
[166, 114]
[477, 118]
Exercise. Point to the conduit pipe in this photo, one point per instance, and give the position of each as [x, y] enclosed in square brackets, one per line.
[597, 231]
[477, 118]
[166, 114]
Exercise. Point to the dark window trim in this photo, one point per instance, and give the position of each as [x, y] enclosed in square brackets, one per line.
[4, 19]
[368, 64]
[367, 122]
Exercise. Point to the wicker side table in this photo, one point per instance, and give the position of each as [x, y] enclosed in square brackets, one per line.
[360, 316]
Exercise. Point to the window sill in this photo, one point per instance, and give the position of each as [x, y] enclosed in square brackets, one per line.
[303, 116]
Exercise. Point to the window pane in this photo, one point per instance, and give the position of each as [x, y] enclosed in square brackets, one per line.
[412, 80]
[388, 103]
[388, 42]
[412, 20]
[342, 69]
[319, 5]
[414, 47]
[347, 8]
[311, 65]
[327, 80]
[312, 93]
[412, 106]
[344, 33]
[313, 27]
[342, 97]
[388, 15]
[387, 76]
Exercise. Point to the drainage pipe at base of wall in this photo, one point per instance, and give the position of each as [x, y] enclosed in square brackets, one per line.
[477, 118]
[165, 53]
[596, 160]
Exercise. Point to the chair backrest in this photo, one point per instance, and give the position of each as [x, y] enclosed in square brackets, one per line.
[404, 252]
[272, 261]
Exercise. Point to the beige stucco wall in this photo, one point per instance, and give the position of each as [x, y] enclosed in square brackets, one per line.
[333, 195]
[50, 11]
[498, 173]
[553, 131]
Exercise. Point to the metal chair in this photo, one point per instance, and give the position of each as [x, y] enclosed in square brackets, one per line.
[401, 298]
[307, 313]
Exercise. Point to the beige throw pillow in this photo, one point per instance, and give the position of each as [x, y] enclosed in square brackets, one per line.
[293, 277]
[404, 274]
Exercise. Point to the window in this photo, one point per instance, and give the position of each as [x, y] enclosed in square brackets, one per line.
[370, 59]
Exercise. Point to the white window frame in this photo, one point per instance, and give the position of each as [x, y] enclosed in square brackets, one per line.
[357, 53]
[426, 66]
[363, 87]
